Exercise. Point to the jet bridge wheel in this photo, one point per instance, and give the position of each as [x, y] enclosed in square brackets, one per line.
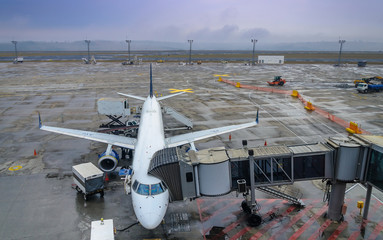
[254, 220]
[245, 207]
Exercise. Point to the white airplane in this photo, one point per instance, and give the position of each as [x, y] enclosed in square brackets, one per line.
[150, 196]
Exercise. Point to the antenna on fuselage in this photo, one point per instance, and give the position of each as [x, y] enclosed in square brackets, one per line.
[151, 82]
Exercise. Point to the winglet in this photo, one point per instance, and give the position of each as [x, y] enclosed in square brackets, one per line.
[151, 83]
[40, 124]
[256, 120]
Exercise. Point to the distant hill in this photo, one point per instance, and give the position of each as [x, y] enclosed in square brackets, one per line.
[102, 45]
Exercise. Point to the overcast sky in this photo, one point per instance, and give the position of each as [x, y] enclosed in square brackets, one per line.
[201, 20]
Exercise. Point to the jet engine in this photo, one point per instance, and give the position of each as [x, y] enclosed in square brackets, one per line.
[108, 162]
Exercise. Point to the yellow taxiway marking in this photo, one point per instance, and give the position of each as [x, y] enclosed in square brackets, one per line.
[221, 75]
[15, 168]
[360, 97]
[189, 90]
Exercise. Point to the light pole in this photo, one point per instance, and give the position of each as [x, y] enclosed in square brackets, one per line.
[88, 42]
[128, 42]
[253, 41]
[190, 41]
[15, 42]
[340, 50]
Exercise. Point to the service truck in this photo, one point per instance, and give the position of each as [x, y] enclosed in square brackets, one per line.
[364, 87]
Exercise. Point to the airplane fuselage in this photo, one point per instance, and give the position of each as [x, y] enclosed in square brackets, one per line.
[150, 197]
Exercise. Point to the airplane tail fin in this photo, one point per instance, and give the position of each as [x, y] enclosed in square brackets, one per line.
[151, 82]
[151, 91]
[256, 120]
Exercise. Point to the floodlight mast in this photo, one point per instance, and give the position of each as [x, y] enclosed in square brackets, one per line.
[254, 41]
[88, 42]
[128, 42]
[15, 42]
[340, 50]
[190, 42]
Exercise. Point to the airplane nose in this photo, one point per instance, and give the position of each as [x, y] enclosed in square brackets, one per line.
[151, 220]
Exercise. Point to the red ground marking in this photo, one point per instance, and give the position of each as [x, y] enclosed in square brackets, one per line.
[309, 223]
[269, 201]
[356, 234]
[230, 227]
[377, 230]
[294, 220]
[215, 202]
[240, 233]
[222, 209]
[236, 223]
[268, 226]
[246, 229]
[211, 204]
[200, 215]
[323, 227]
[236, 213]
[316, 234]
[343, 225]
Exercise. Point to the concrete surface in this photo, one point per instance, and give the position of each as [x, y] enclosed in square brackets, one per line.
[38, 201]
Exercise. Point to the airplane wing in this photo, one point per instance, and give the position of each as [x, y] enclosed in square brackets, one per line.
[195, 136]
[114, 140]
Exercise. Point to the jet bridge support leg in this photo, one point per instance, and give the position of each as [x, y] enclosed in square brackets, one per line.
[337, 194]
[254, 219]
[368, 199]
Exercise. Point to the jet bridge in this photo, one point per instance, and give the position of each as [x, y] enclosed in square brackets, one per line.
[218, 171]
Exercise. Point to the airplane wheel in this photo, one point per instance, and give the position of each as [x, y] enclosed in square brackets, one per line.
[102, 193]
[254, 220]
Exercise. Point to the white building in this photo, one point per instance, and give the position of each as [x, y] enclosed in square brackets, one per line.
[271, 59]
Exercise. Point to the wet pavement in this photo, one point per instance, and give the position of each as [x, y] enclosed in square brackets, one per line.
[37, 200]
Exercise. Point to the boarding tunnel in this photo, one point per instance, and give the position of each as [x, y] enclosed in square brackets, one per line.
[217, 171]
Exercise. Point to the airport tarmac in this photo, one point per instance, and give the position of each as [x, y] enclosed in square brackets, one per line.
[38, 201]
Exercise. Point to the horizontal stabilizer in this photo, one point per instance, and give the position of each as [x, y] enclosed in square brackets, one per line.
[169, 96]
[132, 96]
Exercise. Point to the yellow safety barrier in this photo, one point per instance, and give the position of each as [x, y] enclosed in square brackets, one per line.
[354, 128]
[309, 106]
[295, 93]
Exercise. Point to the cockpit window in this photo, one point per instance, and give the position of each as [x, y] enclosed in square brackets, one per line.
[156, 189]
[146, 189]
[143, 189]
[135, 184]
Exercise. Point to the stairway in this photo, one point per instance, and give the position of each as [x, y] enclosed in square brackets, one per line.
[293, 197]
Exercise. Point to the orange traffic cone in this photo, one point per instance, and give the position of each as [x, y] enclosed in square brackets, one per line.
[230, 137]
[35, 153]
[265, 143]
[106, 177]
